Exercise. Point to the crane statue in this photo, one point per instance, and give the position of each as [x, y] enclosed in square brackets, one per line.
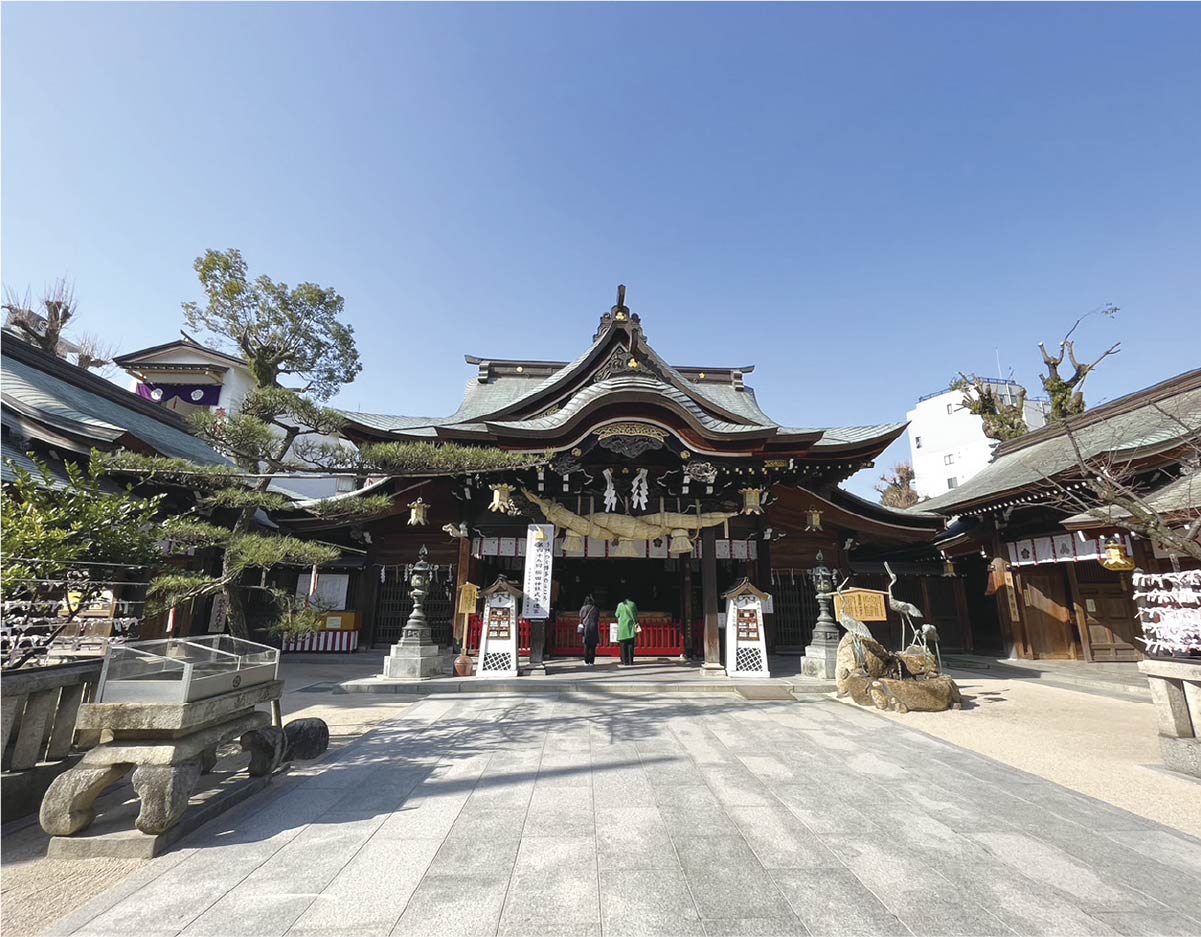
[907, 610]
[854, 627]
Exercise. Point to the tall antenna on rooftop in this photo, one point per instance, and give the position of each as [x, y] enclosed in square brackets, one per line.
[1000, 373]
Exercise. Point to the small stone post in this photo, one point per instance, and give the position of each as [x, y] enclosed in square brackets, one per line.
[415, 656]
[820, 655]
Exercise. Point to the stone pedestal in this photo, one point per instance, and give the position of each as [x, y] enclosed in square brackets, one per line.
[537, 666]
[820, 660]
[709, 669]
[414, 661]
[821, 655]
[167, 746]
[1176, 693]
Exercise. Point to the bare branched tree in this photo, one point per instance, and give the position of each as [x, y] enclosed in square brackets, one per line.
[896, 488]
[1002, 419]
[1119, 492]
[43, 329]
[45, 326]
[92, 352]
[1067, 394]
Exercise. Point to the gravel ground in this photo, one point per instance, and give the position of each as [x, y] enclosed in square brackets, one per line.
[1098, 745]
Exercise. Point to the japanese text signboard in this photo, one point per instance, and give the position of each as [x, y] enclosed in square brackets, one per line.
[862, 604]
[539, 559]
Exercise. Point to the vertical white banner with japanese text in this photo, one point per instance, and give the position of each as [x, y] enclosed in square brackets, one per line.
[539, 558]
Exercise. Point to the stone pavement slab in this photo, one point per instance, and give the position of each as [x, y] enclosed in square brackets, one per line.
[499, 815]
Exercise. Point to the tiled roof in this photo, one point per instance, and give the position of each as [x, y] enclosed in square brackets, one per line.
[1141, 423]
[600, 389]
[1181, 496]
[91, 408]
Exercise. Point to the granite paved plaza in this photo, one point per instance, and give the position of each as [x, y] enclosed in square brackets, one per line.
[560, 815]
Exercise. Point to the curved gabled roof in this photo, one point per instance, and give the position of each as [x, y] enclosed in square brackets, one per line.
[630, 387]
[527, 398]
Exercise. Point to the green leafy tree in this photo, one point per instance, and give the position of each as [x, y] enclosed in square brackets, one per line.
[278, 434]
[63, 543]
[896, 487]
[279, 330]
[1002, 419]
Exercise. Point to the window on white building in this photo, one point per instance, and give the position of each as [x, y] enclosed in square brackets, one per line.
[917, 442]
[952, 482]
[948, 459]
[950, 408]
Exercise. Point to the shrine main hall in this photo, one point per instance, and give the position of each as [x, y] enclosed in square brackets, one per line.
[660, 483]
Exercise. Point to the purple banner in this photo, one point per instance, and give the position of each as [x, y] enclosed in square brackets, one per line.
[202, 395]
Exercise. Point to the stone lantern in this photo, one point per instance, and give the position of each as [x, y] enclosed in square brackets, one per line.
[415, 656]
[820, 655]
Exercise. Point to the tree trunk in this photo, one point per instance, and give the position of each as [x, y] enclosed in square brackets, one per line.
[235, 605]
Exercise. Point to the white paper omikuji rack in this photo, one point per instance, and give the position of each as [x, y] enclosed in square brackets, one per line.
[499, 630]
[746, 645]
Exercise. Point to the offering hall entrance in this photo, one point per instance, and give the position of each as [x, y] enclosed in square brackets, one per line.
[656, 586]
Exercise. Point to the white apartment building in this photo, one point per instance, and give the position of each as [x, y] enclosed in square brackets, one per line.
[947, 445]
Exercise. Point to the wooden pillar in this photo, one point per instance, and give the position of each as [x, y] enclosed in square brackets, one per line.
[1009, 599]
[763, 581]
[686, 605]
[965, 618]
[368, 600]
[1078, 612]
[709, 597]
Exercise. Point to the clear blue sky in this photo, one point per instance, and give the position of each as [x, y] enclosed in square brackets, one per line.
[858, 199]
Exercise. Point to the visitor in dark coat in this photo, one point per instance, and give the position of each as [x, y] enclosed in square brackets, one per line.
[590, 630]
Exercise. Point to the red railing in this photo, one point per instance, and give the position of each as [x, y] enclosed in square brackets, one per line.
[473, 634]
[660, 637]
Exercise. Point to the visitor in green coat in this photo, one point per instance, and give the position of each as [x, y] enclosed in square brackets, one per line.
[627, 630]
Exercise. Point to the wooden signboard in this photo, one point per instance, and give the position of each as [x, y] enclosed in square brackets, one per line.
[863, 604]
[748, 624]
[500, 623]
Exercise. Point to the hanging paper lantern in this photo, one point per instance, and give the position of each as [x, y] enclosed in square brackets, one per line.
[752, 500]
[813, 519]
[948, 567]
[1116, 558]
[502, 499]
[417, 513]
[679, 542]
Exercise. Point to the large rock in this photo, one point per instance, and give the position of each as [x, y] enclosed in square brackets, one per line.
[917, 662]
[268, 750]
[307, 738]
[932, 695]
[875, 661]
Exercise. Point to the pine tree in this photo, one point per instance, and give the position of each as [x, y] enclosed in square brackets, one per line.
[276, 435]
